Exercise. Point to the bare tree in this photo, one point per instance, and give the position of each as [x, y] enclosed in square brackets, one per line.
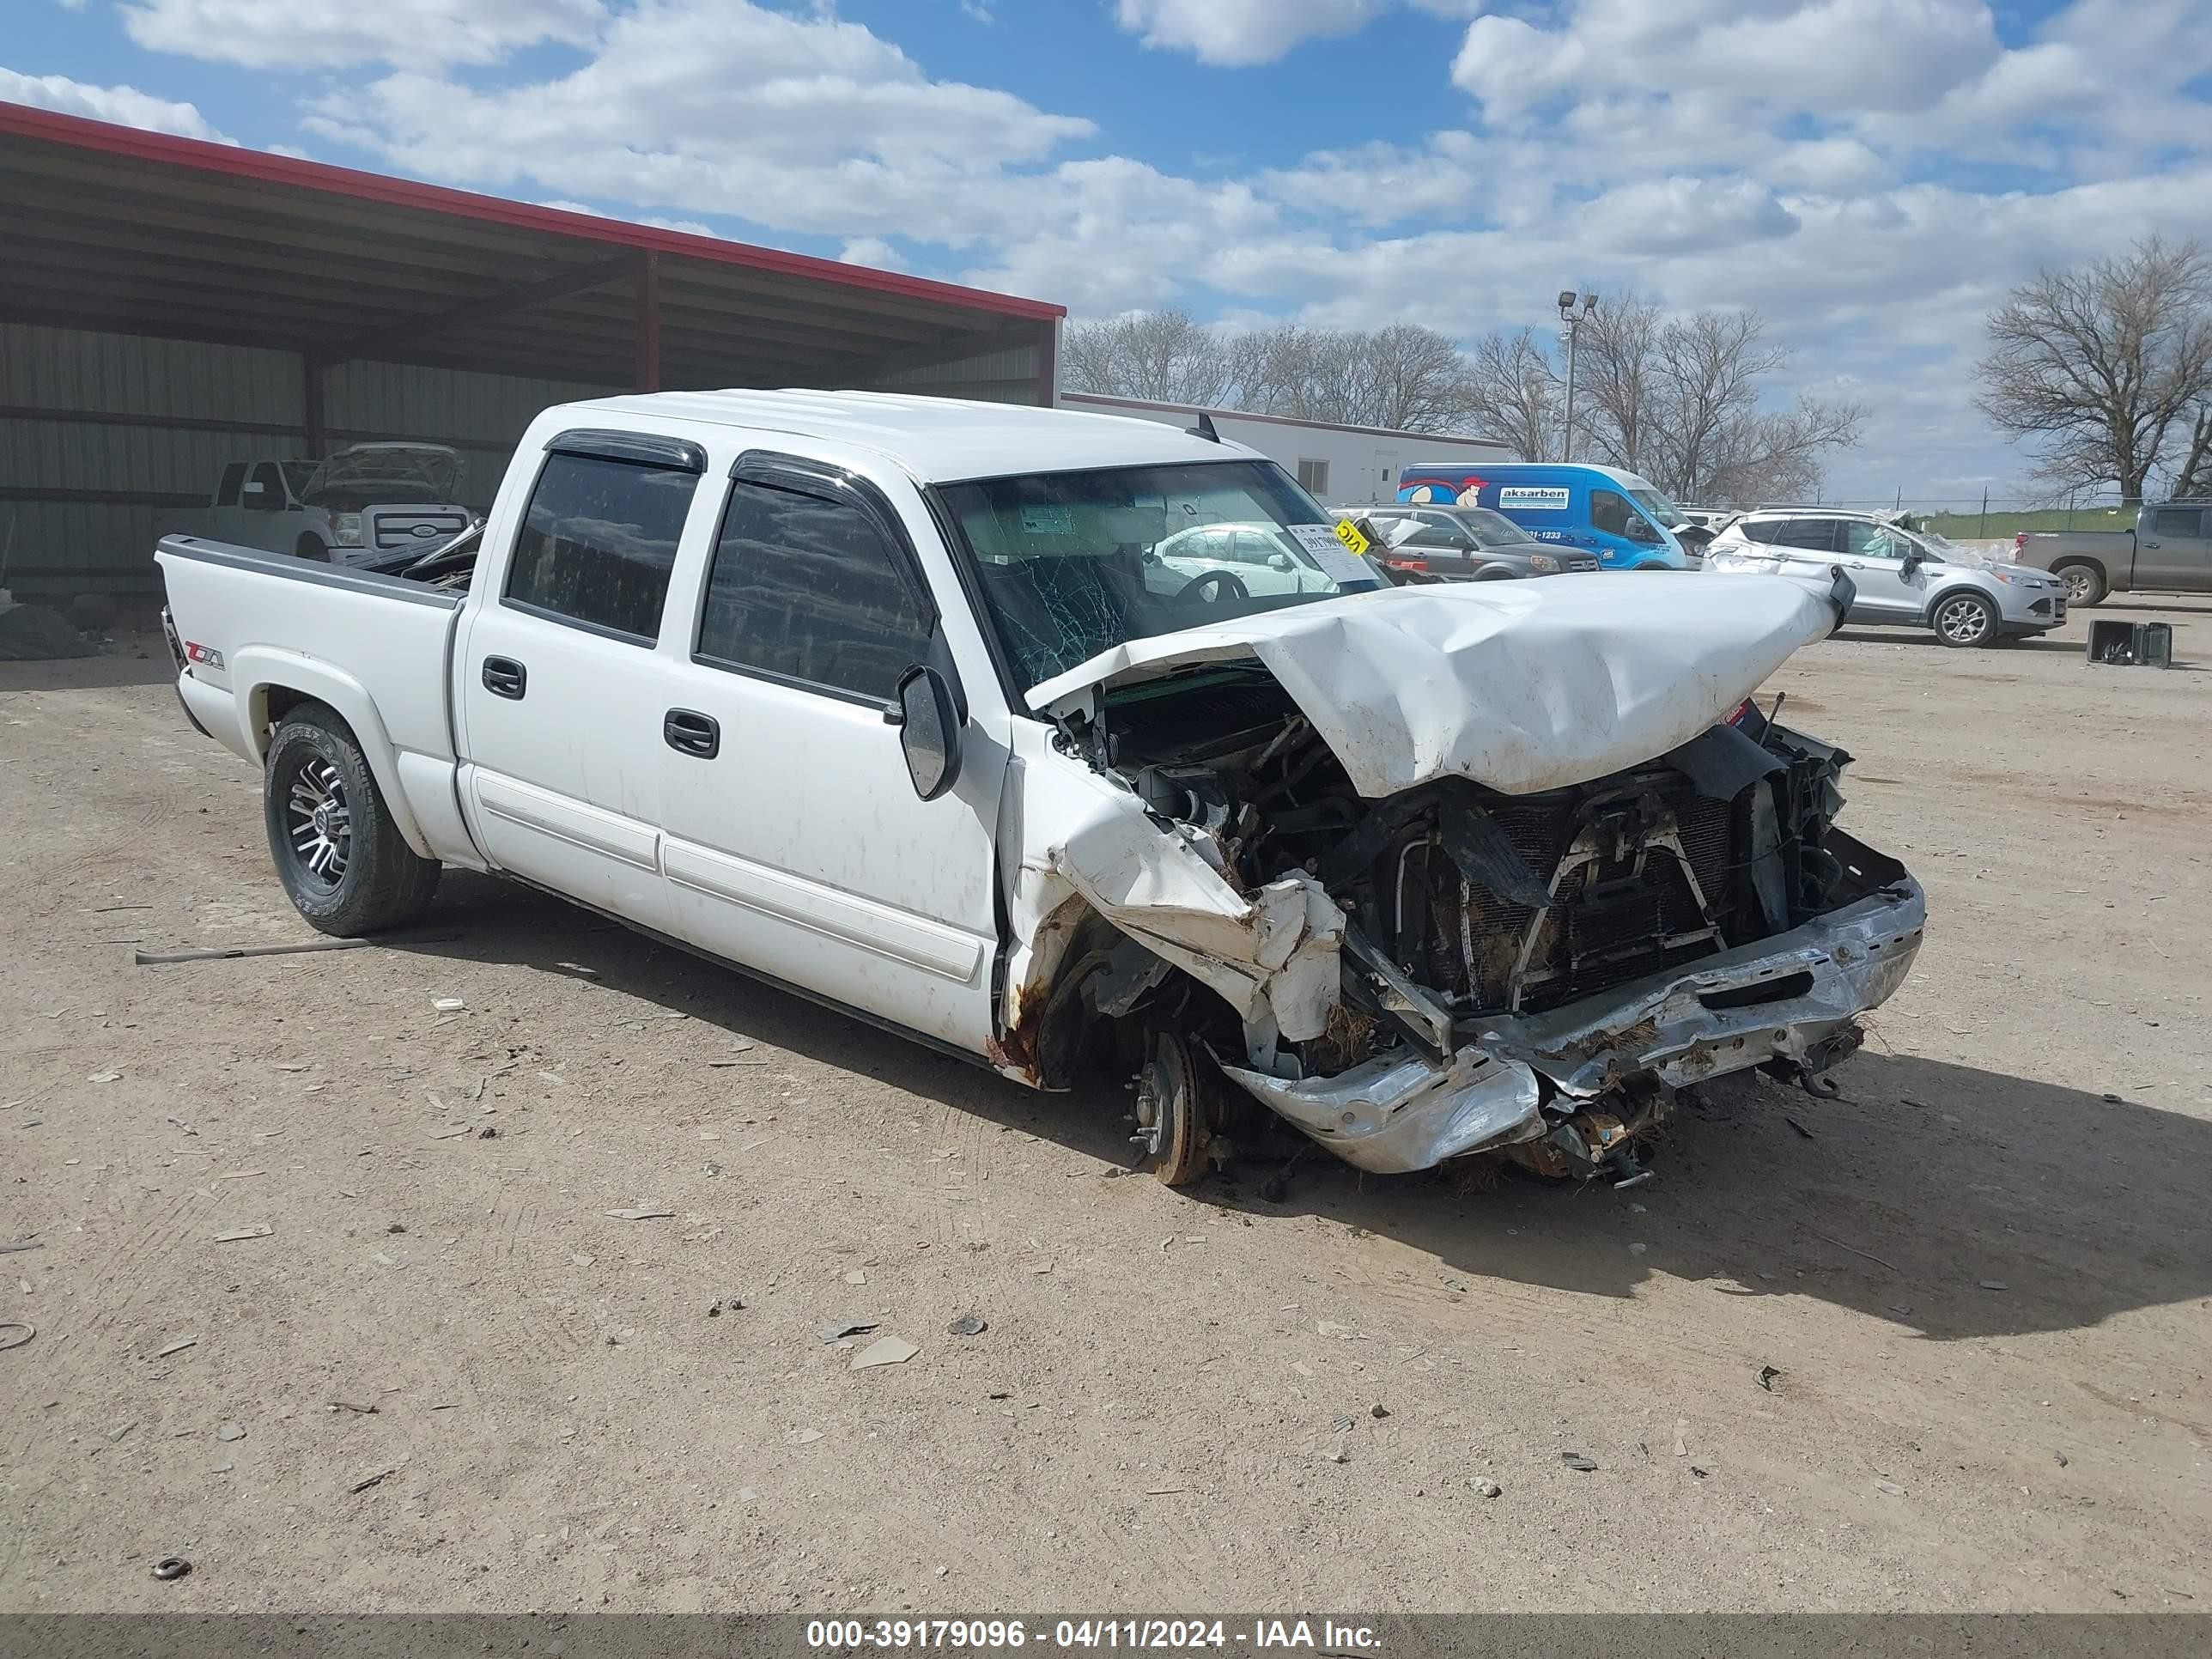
[2193, 477]
[1680, 400]
[1402, 376]
[1160, 355]
[1617, 380]
[2095, 367]
[1514, 394]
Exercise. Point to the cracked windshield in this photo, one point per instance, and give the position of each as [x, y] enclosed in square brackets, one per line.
[1074, 563]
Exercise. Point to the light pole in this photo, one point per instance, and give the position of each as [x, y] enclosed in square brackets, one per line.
[1572, 318]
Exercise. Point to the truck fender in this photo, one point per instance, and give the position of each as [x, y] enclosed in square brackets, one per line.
[259, 670]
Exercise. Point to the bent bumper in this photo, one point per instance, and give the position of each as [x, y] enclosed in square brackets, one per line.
[1784, 997]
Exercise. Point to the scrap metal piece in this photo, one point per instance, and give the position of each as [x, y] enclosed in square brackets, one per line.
[1392, 1114]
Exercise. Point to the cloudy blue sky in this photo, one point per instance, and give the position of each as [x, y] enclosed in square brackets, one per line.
[1872, 175]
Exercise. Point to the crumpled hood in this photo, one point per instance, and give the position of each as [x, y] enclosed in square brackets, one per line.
[384, 472]
[1519, 686]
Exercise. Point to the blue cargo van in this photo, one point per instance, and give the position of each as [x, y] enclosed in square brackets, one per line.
[1622, 518]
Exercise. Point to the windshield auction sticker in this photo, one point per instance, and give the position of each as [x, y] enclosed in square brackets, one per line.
[1337, 557]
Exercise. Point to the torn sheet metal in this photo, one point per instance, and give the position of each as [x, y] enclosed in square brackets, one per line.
[1395, 1114]
[1273, 952]
[1404, 1112]
[1522, 686]
[1815, 981]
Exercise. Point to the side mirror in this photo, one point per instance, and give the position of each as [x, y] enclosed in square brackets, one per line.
[1913, 561]
[1279, 561]
[250, 495]
[929, 730]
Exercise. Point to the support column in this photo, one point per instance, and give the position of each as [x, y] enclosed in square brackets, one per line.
[648, 322]
[310, 404]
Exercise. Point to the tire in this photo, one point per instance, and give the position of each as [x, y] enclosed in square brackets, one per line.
[343, 863]
[2085, 584]
[311, 548]
[1964, 620]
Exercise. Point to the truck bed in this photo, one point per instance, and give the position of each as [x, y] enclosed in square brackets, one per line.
[260, 631]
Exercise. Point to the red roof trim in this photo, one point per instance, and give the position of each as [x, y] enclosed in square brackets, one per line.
[238, 162]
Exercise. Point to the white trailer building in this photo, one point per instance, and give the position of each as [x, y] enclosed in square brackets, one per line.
[1347, 464]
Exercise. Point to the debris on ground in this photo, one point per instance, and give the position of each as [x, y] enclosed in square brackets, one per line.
[2113, 1100]
[838, 1331]
[968, 1325]
[1576, 1461]
[1798, 1126]
[2059, 1457]
[38, 632]
[640, 1215]
[1638, 1249]
[376, 1480]
[449, 1005]
[171, 1566]
[230, 1432]
[8, 1341]
[885, 1351]
[1485, 1488]
[1994, 1285]
[179, 1346]
[105, 1077]
[856, 1277]
[725, 1304]
[1681, 1437]
[1766, 1375]
[11, 1249]
[802, 1436]
[260, 1229]
[1890, 1487]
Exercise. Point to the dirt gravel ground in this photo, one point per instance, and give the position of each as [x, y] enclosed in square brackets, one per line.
[447, 1378]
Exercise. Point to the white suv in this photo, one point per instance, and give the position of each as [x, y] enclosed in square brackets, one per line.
[1904, 578]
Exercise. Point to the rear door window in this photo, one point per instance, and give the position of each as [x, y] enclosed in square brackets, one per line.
[599, 543]
[2177, 521]
[1818, 534]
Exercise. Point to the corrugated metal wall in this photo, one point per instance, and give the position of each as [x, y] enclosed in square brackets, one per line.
[1011, 376]
[102, 436]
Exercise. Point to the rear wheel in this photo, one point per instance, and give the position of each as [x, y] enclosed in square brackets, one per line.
[2085, 583]
[1964, 619]
[343, 863]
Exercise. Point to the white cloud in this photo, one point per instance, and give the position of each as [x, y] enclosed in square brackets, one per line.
[125, 105]
[292, 34]
[870, 251]
[1241, 31]
[802, 124]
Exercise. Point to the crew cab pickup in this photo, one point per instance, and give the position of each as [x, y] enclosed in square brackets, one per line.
[879, 699]
[2168, 551]
[366, 503]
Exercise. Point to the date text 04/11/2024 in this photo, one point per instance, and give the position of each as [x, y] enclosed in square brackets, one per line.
[1167, 1634]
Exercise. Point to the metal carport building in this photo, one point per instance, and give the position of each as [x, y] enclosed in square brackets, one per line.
[168, 305]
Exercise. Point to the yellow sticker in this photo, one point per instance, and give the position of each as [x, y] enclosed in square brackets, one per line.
[1348, 533]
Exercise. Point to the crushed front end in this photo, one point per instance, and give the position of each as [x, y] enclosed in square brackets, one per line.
[1531, 974]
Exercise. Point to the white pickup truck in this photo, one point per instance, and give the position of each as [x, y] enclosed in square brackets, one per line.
[876, 698]
[366, 503]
